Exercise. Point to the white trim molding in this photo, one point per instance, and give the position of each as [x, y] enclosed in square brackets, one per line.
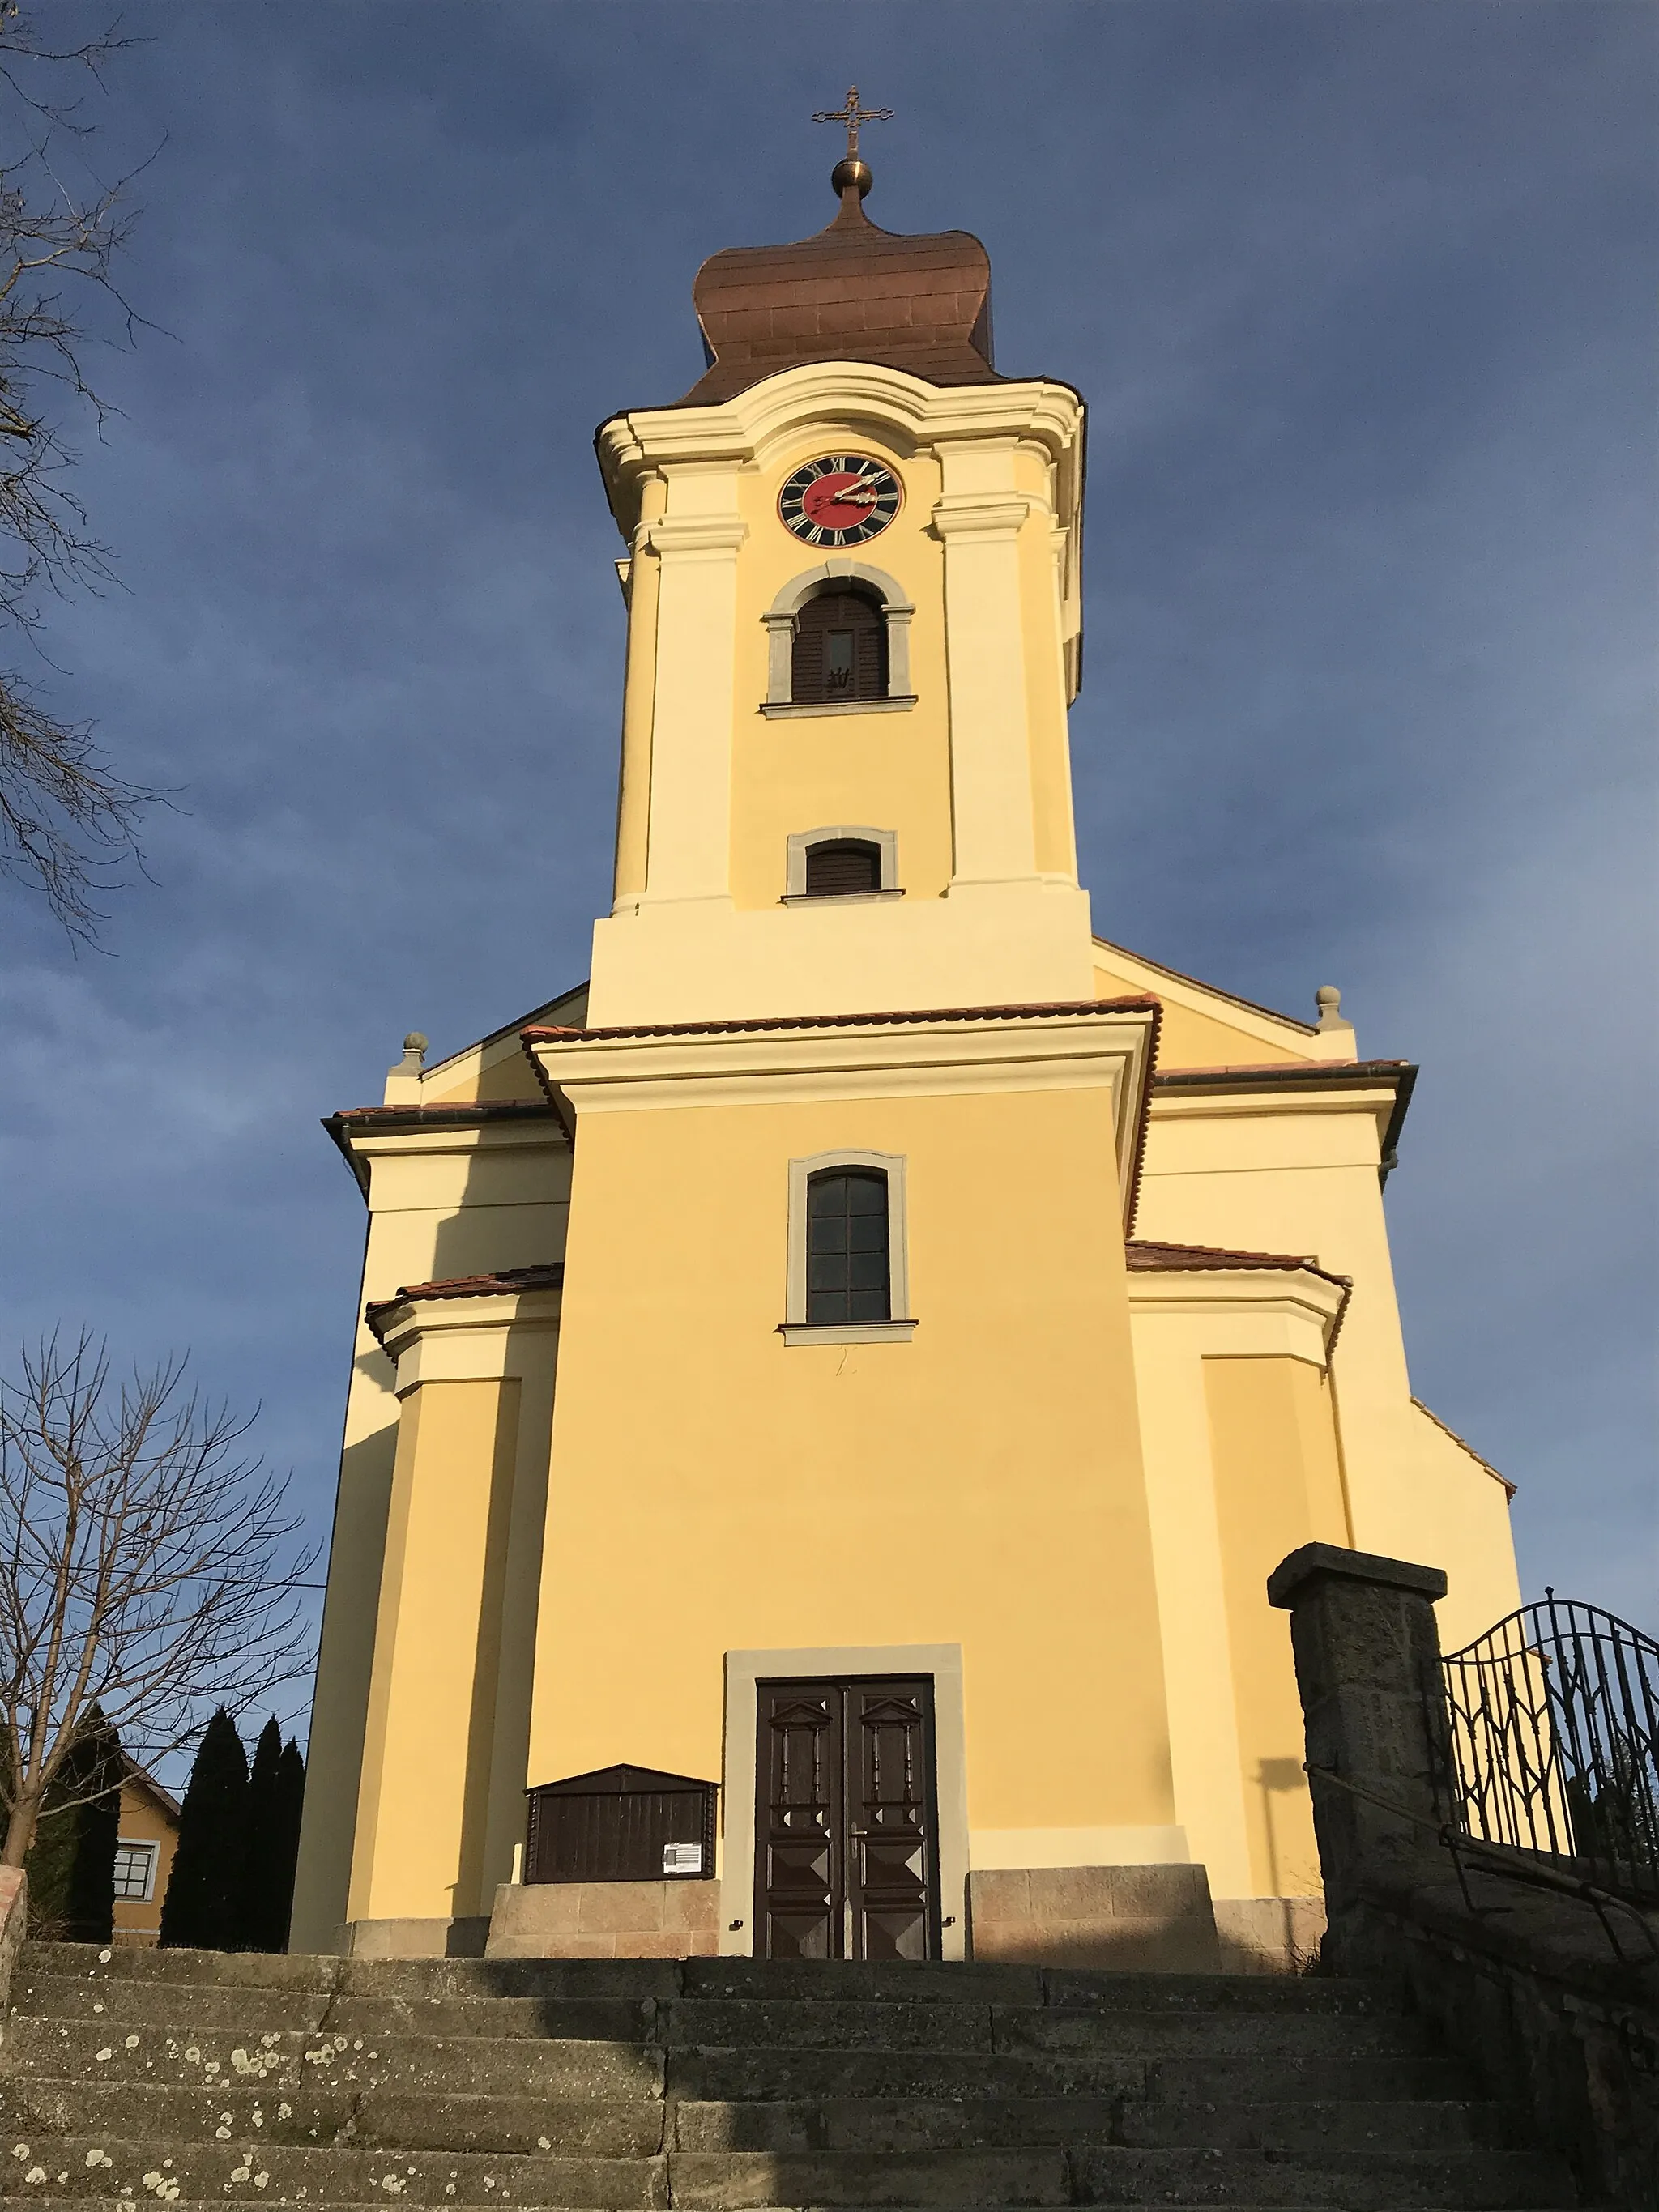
[802, 841]
[900, 1327]
[780, 619]
[739, 1762]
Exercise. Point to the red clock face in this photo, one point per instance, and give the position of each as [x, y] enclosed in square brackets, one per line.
[841, 500]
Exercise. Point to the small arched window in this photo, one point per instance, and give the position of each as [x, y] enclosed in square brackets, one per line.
[842, 867]
[847, 1275]
[839, 650]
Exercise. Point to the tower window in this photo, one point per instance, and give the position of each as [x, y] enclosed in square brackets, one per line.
[842, 867]
[846, 1252]
[839, 650]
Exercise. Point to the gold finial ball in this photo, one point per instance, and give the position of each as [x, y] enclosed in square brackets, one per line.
[850, 170]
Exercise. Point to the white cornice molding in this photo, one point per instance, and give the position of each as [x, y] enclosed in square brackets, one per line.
[1092, 1049]
[1295, 1299]
[467, 1339]
[741, 431]
[480, 1137]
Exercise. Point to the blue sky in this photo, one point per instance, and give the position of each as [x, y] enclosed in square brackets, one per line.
[1360, 298]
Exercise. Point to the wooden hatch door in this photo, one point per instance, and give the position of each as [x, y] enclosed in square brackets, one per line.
[845, 1844]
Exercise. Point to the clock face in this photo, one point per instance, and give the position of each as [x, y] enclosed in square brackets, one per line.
[841, 499]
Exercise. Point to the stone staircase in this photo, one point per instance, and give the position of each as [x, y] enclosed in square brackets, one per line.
[135, 2077]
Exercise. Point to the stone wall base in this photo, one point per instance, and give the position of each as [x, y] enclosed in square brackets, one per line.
[412, 1939]
[605, 1920]
[1269, 1934]
[1153, 1919]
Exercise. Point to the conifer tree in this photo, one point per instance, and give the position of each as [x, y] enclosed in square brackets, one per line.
[203, 1896]
[267, 1884]
[291, 1799]
[71, 1865]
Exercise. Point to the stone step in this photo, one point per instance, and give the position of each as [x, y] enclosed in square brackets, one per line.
[726, 2025]
[324, 2204]
[588, 2127]
[896, 2125]
[519, 2065]
[1484, 2181]
[819, 1980]
[758, 2076]
[754, 2076]
[199, 2005]
[55, 2168]
[1474, 2181]
[877, 2123]
[1173, 2034]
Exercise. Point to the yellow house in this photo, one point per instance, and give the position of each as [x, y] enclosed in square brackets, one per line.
[865, 1348]
[146, 1841]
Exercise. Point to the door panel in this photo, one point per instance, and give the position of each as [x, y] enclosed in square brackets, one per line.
[845, 1846]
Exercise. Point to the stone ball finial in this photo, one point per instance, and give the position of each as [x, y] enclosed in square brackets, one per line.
[415, 1041]
[1328, 999]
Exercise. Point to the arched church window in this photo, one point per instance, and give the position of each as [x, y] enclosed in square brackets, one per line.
[840, 649]
[847, 1247]
[842, 867]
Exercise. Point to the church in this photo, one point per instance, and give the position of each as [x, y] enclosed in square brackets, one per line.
[830, 1388]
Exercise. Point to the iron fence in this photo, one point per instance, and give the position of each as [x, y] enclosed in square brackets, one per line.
[1554, 1742]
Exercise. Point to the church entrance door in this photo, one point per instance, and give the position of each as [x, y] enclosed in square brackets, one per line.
[847, 1832]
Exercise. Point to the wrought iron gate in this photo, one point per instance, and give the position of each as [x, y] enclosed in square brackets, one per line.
[1554, 1742]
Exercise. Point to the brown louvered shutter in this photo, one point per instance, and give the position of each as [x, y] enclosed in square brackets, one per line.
[839, 650]
[843, 866]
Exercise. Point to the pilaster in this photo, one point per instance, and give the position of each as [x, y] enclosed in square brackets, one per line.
[688, 854]
[985, 650]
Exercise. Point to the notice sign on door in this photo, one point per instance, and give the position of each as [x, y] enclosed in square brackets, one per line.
[681, 1859]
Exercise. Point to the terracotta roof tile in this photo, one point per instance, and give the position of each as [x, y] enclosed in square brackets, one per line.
[506, 1282]
[1146, 1258]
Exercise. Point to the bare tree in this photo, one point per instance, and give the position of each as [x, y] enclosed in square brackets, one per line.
[146, 1572]
[67, 822]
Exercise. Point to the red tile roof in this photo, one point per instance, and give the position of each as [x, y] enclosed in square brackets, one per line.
[506, 1282]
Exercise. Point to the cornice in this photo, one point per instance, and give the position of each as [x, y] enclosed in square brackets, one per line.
[740, 431]
[1383, 1086]
[1306, 1294]
[360, 1132]
[1104, 1045]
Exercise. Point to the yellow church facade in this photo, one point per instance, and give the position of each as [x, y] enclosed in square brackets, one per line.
[865, 1349]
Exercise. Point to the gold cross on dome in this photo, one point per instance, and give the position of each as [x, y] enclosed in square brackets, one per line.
[852, 115]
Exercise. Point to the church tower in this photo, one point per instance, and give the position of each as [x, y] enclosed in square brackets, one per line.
[852, 1363]
[854, 624]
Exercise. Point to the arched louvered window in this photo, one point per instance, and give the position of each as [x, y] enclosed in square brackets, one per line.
[840, 651]
[847, 1277]
[840, 867]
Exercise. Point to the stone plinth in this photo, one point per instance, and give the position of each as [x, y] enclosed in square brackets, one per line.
[1139, 1918]
[605, 1920]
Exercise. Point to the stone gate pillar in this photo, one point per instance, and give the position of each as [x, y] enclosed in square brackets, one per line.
[1367, 1649]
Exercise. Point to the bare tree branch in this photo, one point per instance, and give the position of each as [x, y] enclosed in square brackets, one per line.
[145, 1568]
[67, 824]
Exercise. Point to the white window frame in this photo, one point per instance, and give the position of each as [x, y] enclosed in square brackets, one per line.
[795, 1328]
[802, 841]
[779, 620]
[153, 1852]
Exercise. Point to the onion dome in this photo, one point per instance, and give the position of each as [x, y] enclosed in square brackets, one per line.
[852, 292]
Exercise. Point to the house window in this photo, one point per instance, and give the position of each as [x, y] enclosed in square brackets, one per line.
[135, 1873]
[847, 1250]
[842, 868]
[848, 1274]
[839, 650]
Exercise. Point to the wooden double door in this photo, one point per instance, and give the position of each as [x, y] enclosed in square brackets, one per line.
[847, 1829]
